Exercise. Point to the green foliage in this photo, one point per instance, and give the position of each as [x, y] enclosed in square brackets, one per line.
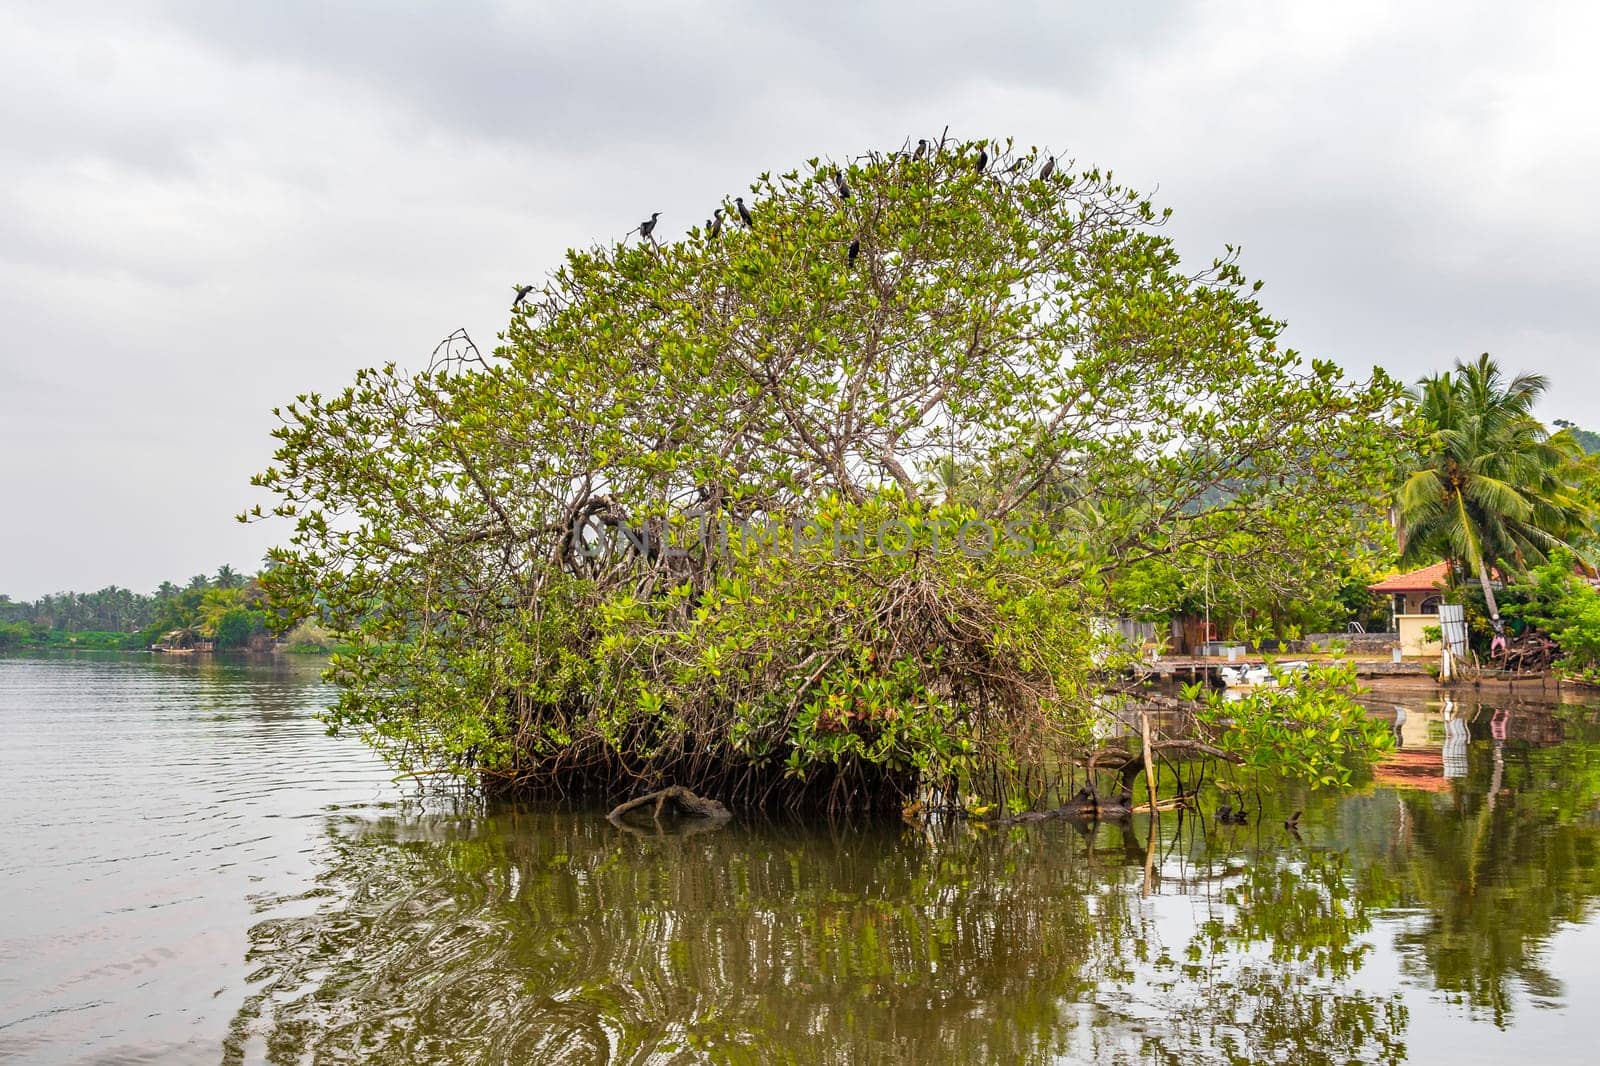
[1312, 729]
[235, 627]
[1563, 604]
[1023, 352]
[16, 635]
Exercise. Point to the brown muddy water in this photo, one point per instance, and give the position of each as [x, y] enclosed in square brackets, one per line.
[194, 872]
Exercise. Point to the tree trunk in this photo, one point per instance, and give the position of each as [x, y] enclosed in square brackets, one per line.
[1489, 600]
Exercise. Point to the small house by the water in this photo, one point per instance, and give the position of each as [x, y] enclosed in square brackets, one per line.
[1416, 597]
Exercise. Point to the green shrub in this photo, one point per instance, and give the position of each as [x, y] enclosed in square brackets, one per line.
[1564, 605]
[237, 625]
[1312, 729]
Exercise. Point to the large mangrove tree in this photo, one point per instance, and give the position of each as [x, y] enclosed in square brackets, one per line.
[816, 503]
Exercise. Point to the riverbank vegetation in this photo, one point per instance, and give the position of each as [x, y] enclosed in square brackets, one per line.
[227, 610]
[819, 509]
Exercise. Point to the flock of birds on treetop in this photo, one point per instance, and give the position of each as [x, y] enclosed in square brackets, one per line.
[713, 226]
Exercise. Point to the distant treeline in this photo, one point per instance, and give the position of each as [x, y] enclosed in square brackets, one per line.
[227, 610]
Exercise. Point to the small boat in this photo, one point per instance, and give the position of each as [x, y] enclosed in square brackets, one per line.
[1263, 676]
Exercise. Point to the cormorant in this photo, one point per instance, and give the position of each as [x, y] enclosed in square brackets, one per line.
[983, 159]
[922, 148]
[744, 212]
[714, 227]
[838, 181]
[855, 249]
[522, 294]
[1049, 169]
[648, 226]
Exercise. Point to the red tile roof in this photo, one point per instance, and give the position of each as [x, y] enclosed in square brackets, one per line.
[1426, 579]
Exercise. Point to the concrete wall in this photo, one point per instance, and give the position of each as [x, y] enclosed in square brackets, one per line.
[1412, 641]
[1354, 643]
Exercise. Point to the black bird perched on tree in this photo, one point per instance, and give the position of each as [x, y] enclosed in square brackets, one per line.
[1049, 169]
[714, 227]
[522, 294]
[983, 159]
[838, 182]
[855, 249]
[922, 148]
[648, 226]
[744, 212]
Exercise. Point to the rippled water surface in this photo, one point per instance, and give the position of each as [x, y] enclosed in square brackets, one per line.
[194, 872]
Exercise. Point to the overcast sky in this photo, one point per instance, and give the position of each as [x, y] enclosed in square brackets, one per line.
[208, 207]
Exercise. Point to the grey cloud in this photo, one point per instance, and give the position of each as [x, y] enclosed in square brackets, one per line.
[569, 75]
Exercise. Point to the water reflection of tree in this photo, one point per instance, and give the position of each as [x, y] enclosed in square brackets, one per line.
[1271, 970]
[552, 937]
[1491, 869]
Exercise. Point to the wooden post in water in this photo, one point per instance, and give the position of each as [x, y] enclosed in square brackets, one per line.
[1149, 768]
[1155, 812]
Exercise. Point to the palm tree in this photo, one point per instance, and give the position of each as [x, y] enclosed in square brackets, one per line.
[228, 577]
[1491, 486]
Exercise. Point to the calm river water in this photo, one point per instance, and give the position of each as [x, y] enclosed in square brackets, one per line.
[193, 871]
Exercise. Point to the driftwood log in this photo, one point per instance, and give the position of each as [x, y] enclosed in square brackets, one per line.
[678, 798]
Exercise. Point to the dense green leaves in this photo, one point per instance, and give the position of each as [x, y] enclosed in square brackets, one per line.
[1562, 603]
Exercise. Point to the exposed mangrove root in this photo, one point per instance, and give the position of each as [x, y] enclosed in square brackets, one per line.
[1129, 765]
[680, 799]
[1085, 806]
